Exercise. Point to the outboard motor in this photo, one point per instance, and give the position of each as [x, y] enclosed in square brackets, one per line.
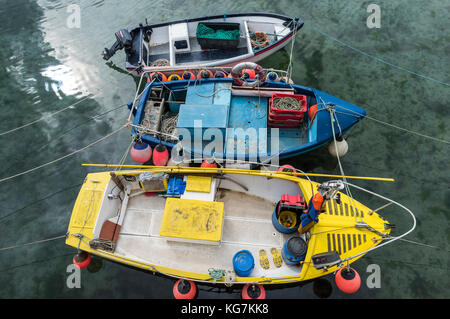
[124, 40]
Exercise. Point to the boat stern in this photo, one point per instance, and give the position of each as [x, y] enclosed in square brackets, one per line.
[86, 210]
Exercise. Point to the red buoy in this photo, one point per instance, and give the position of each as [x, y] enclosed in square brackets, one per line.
[253, 292]
[184, 289]
[287, 168]
[160, 155]
[141, 152]
[348, 280]
[312, 113]
[82, 259]
[209, 164]
[248, 74]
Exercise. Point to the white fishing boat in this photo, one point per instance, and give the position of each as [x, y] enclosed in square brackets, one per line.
[220, 40]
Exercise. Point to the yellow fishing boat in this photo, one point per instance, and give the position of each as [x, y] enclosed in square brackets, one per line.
[223, 226]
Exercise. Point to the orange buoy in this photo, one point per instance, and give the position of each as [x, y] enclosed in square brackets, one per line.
[82, 259]
[141, 152]
[312, 112]
[209, 163]
[158, 77]
[253, 292]
[220, 75]
[174, 77]
[348, 280]
[187, 75]
[286, 79]
[287, 168]
[184, 289]
[248, 74]
[205, 74]
[160, 155]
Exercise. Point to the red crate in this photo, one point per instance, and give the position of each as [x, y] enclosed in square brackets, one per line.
[298, 117]
[298, 97]
[287, 123]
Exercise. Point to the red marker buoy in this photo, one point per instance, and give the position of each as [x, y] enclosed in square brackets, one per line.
[348, 280]
[253, 292]
[160, 155]
[184, 289]
[287, 168]
[82, 259]
[141, 152]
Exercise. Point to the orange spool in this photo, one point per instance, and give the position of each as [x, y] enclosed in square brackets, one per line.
[187, 75]
[253, 292]
[184, 289]
[82, 259]
[174, 77]
[204, 74]
[312, 112]
[348, 280]
[158, 77]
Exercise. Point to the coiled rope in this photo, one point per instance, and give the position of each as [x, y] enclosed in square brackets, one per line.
[287, 103]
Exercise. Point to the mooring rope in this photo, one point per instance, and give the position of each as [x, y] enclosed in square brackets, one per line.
[47, 116]
[378, 59]
[63, 157]
[355, 114]
[33, 243]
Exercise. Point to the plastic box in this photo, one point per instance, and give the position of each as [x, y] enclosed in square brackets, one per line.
[224, 44]
[298, 97]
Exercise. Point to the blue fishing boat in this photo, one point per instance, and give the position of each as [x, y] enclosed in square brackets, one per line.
[244, 113]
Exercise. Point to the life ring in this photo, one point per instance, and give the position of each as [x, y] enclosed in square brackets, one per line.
[260, 40]
[237, 69]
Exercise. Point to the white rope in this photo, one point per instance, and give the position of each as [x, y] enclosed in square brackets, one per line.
[355, 114]
[32, 243]
[378, 59]
[46, 117]
[61, 158]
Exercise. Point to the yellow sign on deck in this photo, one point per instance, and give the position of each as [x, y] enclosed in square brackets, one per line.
[200, 184]
[192, 220]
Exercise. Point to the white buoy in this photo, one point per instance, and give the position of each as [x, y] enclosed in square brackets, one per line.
[341, 145]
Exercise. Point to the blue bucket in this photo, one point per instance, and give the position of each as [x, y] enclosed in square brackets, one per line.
[243, 263]
[294, 250]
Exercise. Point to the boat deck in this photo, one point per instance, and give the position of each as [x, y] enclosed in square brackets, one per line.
[246, 225]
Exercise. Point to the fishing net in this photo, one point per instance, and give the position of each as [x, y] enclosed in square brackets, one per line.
[209, 33]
